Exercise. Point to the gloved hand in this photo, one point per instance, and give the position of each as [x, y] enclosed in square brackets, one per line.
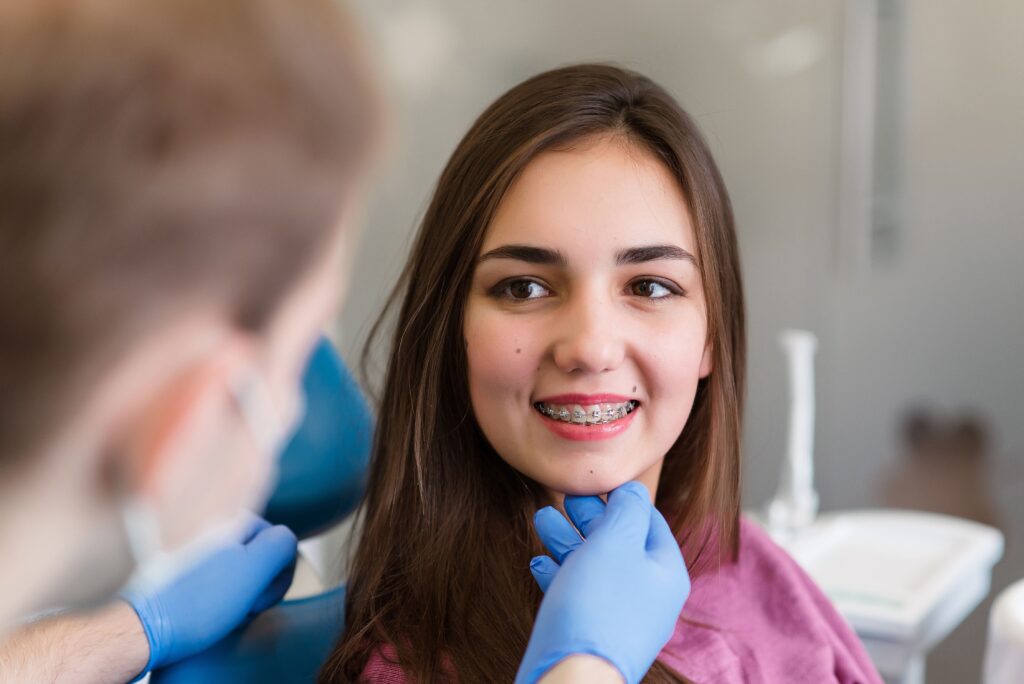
[617, 594]
[222, 591]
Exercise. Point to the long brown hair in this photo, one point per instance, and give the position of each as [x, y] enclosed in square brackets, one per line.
[441, 570]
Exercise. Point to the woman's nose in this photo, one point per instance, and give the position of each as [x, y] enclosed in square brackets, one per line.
[588, 340]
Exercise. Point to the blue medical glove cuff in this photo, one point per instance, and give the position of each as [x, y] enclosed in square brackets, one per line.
[136, 601]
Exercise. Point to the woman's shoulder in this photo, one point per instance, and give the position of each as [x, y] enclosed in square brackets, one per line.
[756, 540]
[763, 563]
[761, 556]
[765, 598]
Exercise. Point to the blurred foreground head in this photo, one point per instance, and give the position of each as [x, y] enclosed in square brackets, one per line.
[177, 180]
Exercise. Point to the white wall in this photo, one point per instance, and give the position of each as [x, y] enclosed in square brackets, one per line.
[944, 324]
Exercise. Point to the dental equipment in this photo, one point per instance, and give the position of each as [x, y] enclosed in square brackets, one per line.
[796, 503]
[903, 579]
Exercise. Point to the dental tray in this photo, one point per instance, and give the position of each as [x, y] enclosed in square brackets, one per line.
[907, 576]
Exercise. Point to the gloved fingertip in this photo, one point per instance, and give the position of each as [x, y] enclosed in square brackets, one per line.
[251, 525]
[584, 511]
[284, 535]
[543, 569]
[543, 513]
[278, 545]
[557, 534]
[630, 500]
[634, 488]
[627, 517]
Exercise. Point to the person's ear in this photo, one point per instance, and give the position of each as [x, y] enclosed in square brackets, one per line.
[175, 425]
[707, 361]
[171, 411]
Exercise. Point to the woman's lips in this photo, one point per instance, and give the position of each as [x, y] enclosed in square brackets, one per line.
[584, 399]
[583, 432]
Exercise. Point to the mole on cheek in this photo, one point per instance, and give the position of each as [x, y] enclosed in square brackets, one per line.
[634, 388]
[518, 351]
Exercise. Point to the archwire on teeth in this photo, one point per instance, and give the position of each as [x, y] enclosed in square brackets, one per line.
[595, 414]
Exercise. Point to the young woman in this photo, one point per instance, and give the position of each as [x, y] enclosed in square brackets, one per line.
[571, 319]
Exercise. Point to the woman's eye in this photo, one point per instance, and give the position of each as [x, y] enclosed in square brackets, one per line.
[652, 289]
[522, 290]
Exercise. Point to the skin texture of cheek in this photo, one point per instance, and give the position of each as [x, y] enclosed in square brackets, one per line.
[501, 370]
[672, 373]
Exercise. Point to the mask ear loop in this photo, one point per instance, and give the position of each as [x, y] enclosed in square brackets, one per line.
[252, 396]
[142, 530]
[154, 566]
[256, 407]
[139, 521]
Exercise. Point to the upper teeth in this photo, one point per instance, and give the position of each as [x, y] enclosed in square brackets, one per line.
[592, 414]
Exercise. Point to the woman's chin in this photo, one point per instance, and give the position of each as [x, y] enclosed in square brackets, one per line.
[591, 479]
[588, 485]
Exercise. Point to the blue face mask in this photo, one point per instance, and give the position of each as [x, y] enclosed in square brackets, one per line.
[155, 565]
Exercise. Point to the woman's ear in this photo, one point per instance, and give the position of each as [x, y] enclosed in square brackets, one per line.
[707, 361]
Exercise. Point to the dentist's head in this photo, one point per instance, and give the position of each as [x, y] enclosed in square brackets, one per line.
[177, 182]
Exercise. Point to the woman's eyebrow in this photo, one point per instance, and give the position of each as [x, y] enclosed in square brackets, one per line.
[639, 255]
[527, 253]
[551, 257]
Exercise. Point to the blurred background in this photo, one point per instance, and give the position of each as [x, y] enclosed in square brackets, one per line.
[874, 151]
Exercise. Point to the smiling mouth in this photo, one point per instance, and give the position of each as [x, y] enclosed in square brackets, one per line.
[593, 414]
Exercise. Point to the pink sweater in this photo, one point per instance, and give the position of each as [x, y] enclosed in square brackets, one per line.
[771, 624]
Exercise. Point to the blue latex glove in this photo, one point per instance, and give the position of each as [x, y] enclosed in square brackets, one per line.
[229, 586]
[617, 594]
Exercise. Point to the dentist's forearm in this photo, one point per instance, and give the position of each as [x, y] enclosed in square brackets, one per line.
[580, 669]
[101, 647]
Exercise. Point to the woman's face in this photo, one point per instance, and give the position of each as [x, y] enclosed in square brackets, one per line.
[585, 325]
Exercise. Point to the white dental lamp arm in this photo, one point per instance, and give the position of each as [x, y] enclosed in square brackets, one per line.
[796, 503]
